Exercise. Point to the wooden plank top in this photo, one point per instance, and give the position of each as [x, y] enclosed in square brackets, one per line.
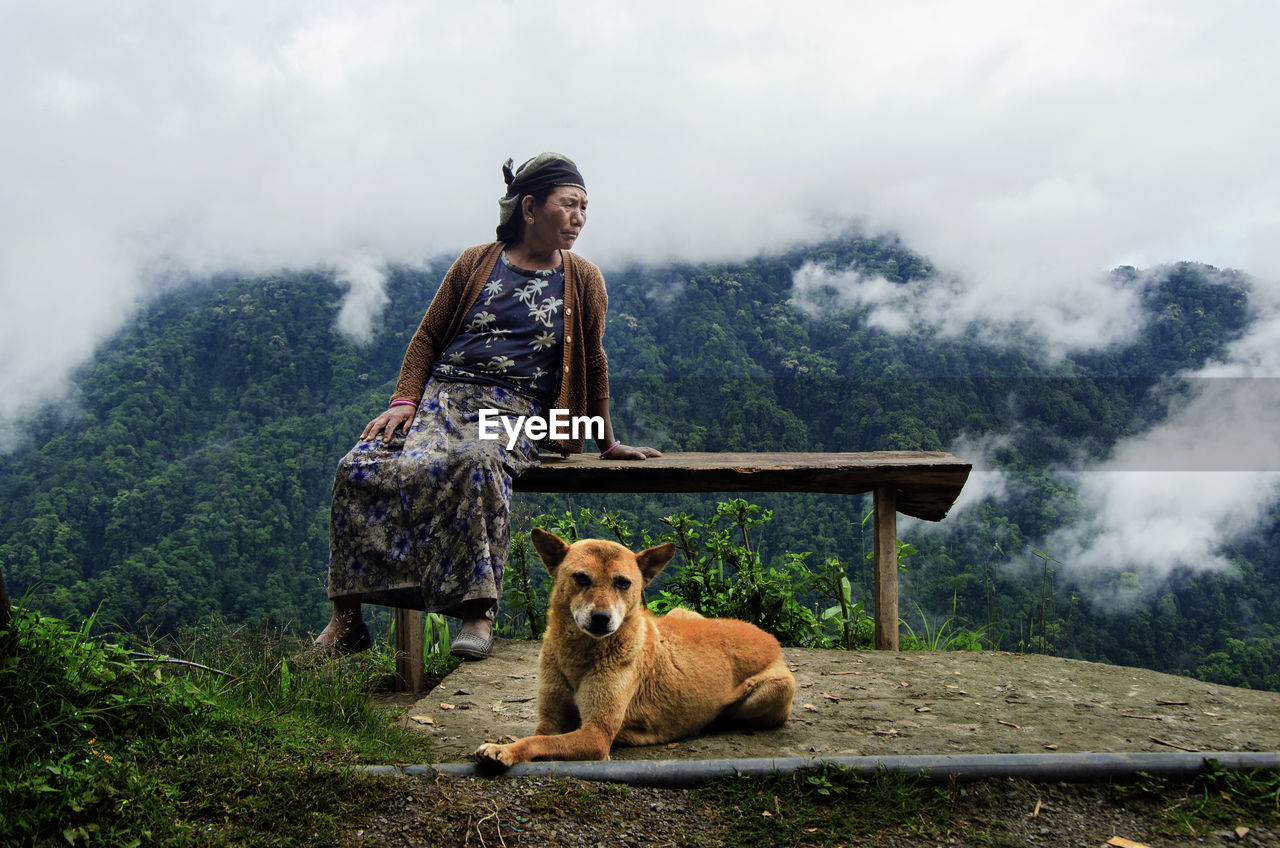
[927, 482]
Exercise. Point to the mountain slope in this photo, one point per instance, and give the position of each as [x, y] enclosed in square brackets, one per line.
[190, 473]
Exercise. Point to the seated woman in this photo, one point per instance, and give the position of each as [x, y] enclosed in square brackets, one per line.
[422, 504]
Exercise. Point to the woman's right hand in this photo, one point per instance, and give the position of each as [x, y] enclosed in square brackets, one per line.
[385, 425]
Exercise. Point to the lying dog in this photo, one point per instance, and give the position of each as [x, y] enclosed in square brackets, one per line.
[611, 672]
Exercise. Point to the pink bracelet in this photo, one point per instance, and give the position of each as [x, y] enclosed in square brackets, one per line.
[402, 403]
[606, 451]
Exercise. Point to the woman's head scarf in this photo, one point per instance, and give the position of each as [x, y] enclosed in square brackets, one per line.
[544, 171]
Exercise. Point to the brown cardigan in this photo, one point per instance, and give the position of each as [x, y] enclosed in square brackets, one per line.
[585, 374]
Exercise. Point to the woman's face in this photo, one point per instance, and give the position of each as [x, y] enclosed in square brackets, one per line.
[558, 222]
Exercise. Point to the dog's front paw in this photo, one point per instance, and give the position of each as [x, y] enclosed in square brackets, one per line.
[495, 756]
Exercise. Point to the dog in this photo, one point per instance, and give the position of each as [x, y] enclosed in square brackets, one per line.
[610, 672]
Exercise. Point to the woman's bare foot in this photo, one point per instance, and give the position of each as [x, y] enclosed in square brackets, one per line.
[346, 634]
[481, 627]
[345, 624]
[477, 618]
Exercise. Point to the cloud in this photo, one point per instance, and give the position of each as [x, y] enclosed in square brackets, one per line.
[1172, 497]
[1096, 312]
[364, 277]
[984, 483]
[1154, 522]
[1024, 148]
[1176, 495]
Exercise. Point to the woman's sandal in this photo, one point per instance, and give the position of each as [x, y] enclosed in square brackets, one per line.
[469, 646]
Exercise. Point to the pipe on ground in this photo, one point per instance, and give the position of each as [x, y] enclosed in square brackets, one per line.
[1060, 768]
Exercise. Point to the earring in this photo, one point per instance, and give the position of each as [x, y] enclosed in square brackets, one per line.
[529, 220]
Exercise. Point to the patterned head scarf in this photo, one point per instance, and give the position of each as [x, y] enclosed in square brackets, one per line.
[546, 170]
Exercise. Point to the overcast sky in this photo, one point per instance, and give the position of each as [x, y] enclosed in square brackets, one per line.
[1025, 147]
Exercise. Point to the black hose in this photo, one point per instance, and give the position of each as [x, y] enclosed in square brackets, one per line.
[1063, 768]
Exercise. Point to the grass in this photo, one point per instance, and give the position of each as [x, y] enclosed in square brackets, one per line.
[831, 805]
[1214, 800]
[99, 748]
[947, 636]
[814, 807]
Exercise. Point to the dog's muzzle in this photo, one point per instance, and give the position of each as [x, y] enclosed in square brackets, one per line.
[595, 622]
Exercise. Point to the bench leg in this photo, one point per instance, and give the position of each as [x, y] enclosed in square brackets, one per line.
[886, 558]
[408, 630]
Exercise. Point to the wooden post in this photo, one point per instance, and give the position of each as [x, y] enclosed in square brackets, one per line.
[408, 627]
[886, 557]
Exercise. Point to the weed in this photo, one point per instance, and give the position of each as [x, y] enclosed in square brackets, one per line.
[1215, 798]
[948, 636]
[720, 574]
[1048, 601]
[523, 594]
[100, 749]
[811, 807]
[845, 623]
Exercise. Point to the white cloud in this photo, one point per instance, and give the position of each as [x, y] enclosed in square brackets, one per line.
[1095, 312]
[1154, 522]
[364, 277]
[1176, 495]
[1025, 148]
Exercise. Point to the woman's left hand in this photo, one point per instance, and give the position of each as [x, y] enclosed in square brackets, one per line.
[627, 452]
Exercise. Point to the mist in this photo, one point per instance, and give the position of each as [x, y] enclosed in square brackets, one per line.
[1176, 495]
[1025, 149]
[1171, 498]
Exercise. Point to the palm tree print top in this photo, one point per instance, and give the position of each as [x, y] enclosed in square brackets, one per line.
[513, 335]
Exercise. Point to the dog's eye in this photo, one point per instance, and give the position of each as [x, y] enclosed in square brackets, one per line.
[581, 579]
[622, 584]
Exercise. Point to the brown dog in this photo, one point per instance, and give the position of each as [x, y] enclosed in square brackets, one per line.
[611, 672]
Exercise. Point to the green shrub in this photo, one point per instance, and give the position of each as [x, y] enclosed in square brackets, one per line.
[76, 716]
[103, 746]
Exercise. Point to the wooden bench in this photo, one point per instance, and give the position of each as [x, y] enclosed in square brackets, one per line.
[922, 484]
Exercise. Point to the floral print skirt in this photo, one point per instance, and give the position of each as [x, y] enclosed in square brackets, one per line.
[423, 522]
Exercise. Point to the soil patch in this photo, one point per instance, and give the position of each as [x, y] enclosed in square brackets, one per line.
[847, 704]
[425, 812]
[868, 703]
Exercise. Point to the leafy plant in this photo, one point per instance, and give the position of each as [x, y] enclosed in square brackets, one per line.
[74, 714]
[811, 806]
[947, 636]
[524, 602]
[721, 574]
[698, 580]
[845, 623]
[112, 746]
[1048, 601]
[1214, 798]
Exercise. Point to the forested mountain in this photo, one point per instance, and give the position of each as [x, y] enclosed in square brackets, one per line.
[189, 474]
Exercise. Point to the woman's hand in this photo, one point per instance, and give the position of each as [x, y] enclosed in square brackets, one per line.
[621, 451]
[600, 408]
[385, 425]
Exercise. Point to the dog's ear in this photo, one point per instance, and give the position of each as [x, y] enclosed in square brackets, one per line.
[653, 560]
[550, 547]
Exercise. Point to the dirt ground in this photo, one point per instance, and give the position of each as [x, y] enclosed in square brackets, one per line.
[847, 704]
[870, 703]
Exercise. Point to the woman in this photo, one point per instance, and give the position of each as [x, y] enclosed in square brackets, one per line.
[421, 505]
